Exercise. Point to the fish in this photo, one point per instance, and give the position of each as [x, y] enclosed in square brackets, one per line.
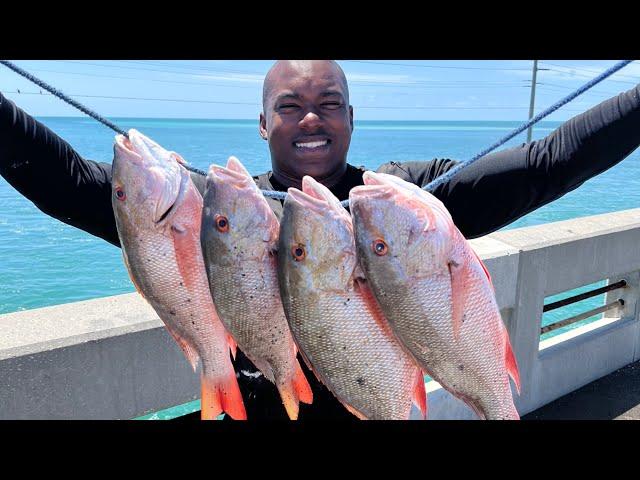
[239, 237]
[435, 292]
[158, 210]
[338, 326]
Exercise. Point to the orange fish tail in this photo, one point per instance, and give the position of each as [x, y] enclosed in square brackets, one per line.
[298, 390]
[219, 397]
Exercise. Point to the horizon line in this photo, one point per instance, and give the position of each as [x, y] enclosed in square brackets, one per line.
[256, 120]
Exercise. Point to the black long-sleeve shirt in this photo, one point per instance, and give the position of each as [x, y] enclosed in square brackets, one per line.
[493, 192]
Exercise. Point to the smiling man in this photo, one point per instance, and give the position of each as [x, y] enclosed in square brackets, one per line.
[308, 122]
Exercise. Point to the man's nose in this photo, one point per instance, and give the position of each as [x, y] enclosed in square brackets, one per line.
[310, 121]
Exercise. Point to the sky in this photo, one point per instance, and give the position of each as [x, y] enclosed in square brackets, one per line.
[379, 89]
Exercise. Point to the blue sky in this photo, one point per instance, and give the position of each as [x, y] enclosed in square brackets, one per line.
[379, 89]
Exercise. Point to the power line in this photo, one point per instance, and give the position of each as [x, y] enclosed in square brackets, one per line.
[385, 84]
[589, 70]
[80, 62]
[257, 104]
[588, 76]
[609, 94]
[145, 79]
[438, 66]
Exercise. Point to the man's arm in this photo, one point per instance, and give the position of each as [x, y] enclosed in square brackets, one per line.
[46, 170]
[49, 172]
[502, 187]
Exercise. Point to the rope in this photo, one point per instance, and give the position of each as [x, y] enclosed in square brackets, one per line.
[345, 203]
[77, 105]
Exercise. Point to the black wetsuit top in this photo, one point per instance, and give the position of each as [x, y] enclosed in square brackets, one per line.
[493, 192]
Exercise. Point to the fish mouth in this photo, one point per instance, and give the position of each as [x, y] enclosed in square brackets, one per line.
[178, 198]
[364, 192]
[315, 189]
[305, 200]
[125, 148]
[226, 175]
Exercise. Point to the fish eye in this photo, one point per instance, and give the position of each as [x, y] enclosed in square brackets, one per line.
[380, 247]
[120, 195]
[298, 252]
[222, 223]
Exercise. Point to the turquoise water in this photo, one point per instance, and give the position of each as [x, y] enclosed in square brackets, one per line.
[45, 262]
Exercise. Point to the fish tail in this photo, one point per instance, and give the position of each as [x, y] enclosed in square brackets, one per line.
[510, 362]
[420, 394]
[221, 396]
[233, 346]
[296, 391]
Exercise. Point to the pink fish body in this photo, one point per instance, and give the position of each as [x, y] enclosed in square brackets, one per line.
[158, 210]
[239, 239]
[335, 320]
[435, 292]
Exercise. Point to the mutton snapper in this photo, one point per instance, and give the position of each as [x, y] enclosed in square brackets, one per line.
[435, 292]
[334, 318]
[157, 210]
[239, 240]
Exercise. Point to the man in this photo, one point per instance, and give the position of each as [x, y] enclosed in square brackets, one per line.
[308, 122]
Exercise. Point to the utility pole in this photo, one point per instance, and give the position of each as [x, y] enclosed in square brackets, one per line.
[533, 97]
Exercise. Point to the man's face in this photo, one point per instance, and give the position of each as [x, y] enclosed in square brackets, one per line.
[307, 119]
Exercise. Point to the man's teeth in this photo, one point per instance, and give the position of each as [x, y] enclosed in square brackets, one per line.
[311, 144]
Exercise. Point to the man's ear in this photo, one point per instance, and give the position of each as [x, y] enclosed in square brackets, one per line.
[263, 127]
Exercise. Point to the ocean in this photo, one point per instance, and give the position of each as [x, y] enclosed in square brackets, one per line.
[45, 262]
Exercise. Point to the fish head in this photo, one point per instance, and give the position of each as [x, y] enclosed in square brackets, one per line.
[237, 221]
[316, 245]
[400, 234]
[148, 182]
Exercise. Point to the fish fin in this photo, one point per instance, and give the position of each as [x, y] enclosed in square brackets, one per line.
[294, 392]
[358, 272]
[305, 360]
[353, 411]
[232, 345]
[218, 397]
[302, 387]
[420, 394]
[485, 270]
[126, 263]
[189, 352]
[188, 255]
[510, 361]
[458, 275]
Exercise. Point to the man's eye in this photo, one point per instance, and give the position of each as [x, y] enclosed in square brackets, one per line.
[288, 106]
[332, 105]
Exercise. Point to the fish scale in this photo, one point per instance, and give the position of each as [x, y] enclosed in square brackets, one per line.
[253, 300]
[352, 356]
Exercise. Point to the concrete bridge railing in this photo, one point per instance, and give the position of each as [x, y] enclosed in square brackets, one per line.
[112, 357]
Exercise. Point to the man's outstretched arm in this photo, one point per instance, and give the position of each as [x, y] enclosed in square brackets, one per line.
[49, 172]
[502, 187]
